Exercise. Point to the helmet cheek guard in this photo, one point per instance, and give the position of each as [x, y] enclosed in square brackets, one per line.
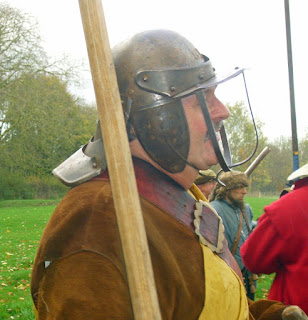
[164, 134]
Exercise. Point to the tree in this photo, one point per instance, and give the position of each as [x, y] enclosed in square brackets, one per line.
[44, 124]
[241, 132]
[242, 140]
[21, 52]
[280, 162]
[20, 48]
[41, 123]
[31, 90]
[303, 150]
[279, 165]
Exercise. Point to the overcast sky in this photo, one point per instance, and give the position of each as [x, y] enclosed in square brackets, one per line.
[232, 33]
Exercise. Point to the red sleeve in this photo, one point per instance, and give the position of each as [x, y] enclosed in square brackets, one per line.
[261, 251]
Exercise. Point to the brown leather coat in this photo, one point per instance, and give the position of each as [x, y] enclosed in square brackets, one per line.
[86, 278]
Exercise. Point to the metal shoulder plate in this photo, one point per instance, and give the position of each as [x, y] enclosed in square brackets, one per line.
[86, 163]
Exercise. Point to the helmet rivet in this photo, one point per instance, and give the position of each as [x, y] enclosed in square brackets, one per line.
[201, 76]
[172, 89]
[145, 77]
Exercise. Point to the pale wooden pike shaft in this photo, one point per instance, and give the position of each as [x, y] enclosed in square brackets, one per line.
[257, 161]
[123, 183]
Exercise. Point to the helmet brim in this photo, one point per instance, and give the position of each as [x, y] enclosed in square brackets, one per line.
[212, 82]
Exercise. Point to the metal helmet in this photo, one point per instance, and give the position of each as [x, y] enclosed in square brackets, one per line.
[155, 69]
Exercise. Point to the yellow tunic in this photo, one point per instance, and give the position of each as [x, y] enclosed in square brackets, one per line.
[225, 296]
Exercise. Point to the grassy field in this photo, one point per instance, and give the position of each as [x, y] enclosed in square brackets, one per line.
[257, 204]
[22, 223]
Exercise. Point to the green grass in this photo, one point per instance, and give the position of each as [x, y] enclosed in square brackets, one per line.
[21, 226]
[22, 223]
[258, 204]
[263, 285]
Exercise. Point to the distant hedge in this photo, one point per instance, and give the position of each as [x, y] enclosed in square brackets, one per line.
[18, 186]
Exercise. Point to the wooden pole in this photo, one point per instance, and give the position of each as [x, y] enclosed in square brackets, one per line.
[291, 87]
[120, 167]
[257, 161]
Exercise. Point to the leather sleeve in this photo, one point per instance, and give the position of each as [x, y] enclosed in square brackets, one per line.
[266, 309]
[84, 286]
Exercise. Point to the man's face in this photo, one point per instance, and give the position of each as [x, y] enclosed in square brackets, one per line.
[236, 196]
[207, 188]
[201, 152]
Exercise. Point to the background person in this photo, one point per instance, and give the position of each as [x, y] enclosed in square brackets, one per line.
[168, 92]
[237, 217]
[280, 241]
[287, 188]
[206, 181]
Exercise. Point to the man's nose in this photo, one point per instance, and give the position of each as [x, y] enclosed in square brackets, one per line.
[220, 111]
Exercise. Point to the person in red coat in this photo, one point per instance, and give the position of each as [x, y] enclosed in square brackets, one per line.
[279, 244]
